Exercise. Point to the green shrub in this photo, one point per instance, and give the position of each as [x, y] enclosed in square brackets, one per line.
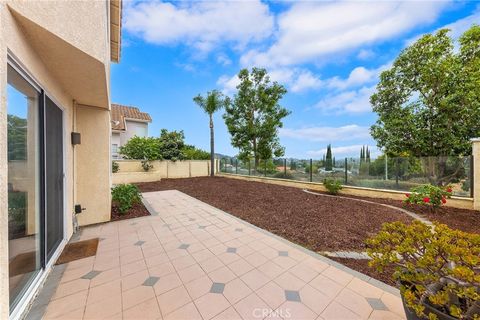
[333, 186]
[17, 207]
[283, 175]
[436, 267]
[429, 195]
[146, 165]
[193, 153]
[115, 166]
[141, 149]
[125, 196]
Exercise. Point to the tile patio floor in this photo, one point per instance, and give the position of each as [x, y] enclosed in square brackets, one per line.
[193, 261]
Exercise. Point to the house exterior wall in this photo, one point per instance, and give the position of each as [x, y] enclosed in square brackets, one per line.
[75, 24]
[133, 128]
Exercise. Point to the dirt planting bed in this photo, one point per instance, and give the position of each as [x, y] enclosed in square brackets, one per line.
[138, 210]
[315, 222]
[462, 219]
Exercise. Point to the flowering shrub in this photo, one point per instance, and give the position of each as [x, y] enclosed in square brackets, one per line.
[438, 268]
[429, 195]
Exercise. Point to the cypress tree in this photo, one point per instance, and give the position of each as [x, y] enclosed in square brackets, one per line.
[328, 159]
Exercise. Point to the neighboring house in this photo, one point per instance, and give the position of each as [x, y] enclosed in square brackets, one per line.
[54, 82]
[127, 122]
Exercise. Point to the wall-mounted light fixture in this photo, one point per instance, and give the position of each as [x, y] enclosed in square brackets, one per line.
[76, 139]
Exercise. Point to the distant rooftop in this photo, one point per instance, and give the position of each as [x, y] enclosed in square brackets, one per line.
[120, 113]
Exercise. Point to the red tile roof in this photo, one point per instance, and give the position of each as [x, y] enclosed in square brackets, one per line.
[120, 113]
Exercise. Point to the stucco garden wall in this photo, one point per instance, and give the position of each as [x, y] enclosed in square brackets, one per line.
[131, 171]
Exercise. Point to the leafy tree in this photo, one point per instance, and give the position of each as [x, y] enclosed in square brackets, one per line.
[328, 159]
[255, 115]
[17, 137]
[171, 144]
[213, 102]
[140, 148]
[193, 153]
[428, 103]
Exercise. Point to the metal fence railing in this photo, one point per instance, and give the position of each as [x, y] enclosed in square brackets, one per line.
[401, 173]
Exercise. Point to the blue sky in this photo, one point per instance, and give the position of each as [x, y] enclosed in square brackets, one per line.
[327, 54]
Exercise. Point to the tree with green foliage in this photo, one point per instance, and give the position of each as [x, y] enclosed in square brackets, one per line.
[328, 159]
[171, 144]
[428, 102]
[140, 148]
[255, 115]
[193, 153]
[17, 137]
[213, 102]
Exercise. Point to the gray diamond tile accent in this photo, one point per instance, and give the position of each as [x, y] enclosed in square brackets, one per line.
[183, 246]
[202, 227]
[239, 229]
[231, 250]
[92, 274]
[191, 219]
[291, 295]
[376, 304]
[139, 243]
[217, 287]
[150, 281]
[283, 253]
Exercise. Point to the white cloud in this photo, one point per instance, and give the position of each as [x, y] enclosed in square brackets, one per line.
[365, 54]
[296, 80]
[358, 76]
[351, 150]
[224, 60]
[327, 134]
[352, 101]
[202, 24]
[457, 28]
[311, 30]
[228, 84]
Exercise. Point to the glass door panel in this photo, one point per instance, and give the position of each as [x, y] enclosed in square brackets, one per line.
[24, 214]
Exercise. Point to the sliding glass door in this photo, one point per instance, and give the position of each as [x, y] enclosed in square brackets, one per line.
[25, 238]
[35, 181]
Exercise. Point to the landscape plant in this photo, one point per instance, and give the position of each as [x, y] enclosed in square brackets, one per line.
[437, 268]
[193, 153]
[255, 115]
[115, 167]
[171, 144]
[333, 186]
[124, 196]
[146, 165]
[141, 148]
[429, 195]
[213, 102]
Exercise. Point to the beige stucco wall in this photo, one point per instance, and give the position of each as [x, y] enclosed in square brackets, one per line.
[93, 164]
[4, 292]
[62, 46]
[476, 171]
[131, 171]
[457, 202]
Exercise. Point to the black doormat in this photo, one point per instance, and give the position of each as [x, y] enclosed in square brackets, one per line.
[78, 250]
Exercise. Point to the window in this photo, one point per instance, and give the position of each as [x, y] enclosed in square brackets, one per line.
[115, 150]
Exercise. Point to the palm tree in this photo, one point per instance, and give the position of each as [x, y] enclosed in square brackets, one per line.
[213, 102]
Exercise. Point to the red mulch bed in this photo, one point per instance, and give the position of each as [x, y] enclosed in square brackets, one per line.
[138, 210]
[317, 223]
[462, 219]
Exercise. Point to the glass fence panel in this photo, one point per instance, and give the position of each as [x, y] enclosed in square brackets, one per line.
[400, 173]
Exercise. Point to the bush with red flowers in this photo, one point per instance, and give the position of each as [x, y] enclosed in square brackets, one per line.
[429, 195]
